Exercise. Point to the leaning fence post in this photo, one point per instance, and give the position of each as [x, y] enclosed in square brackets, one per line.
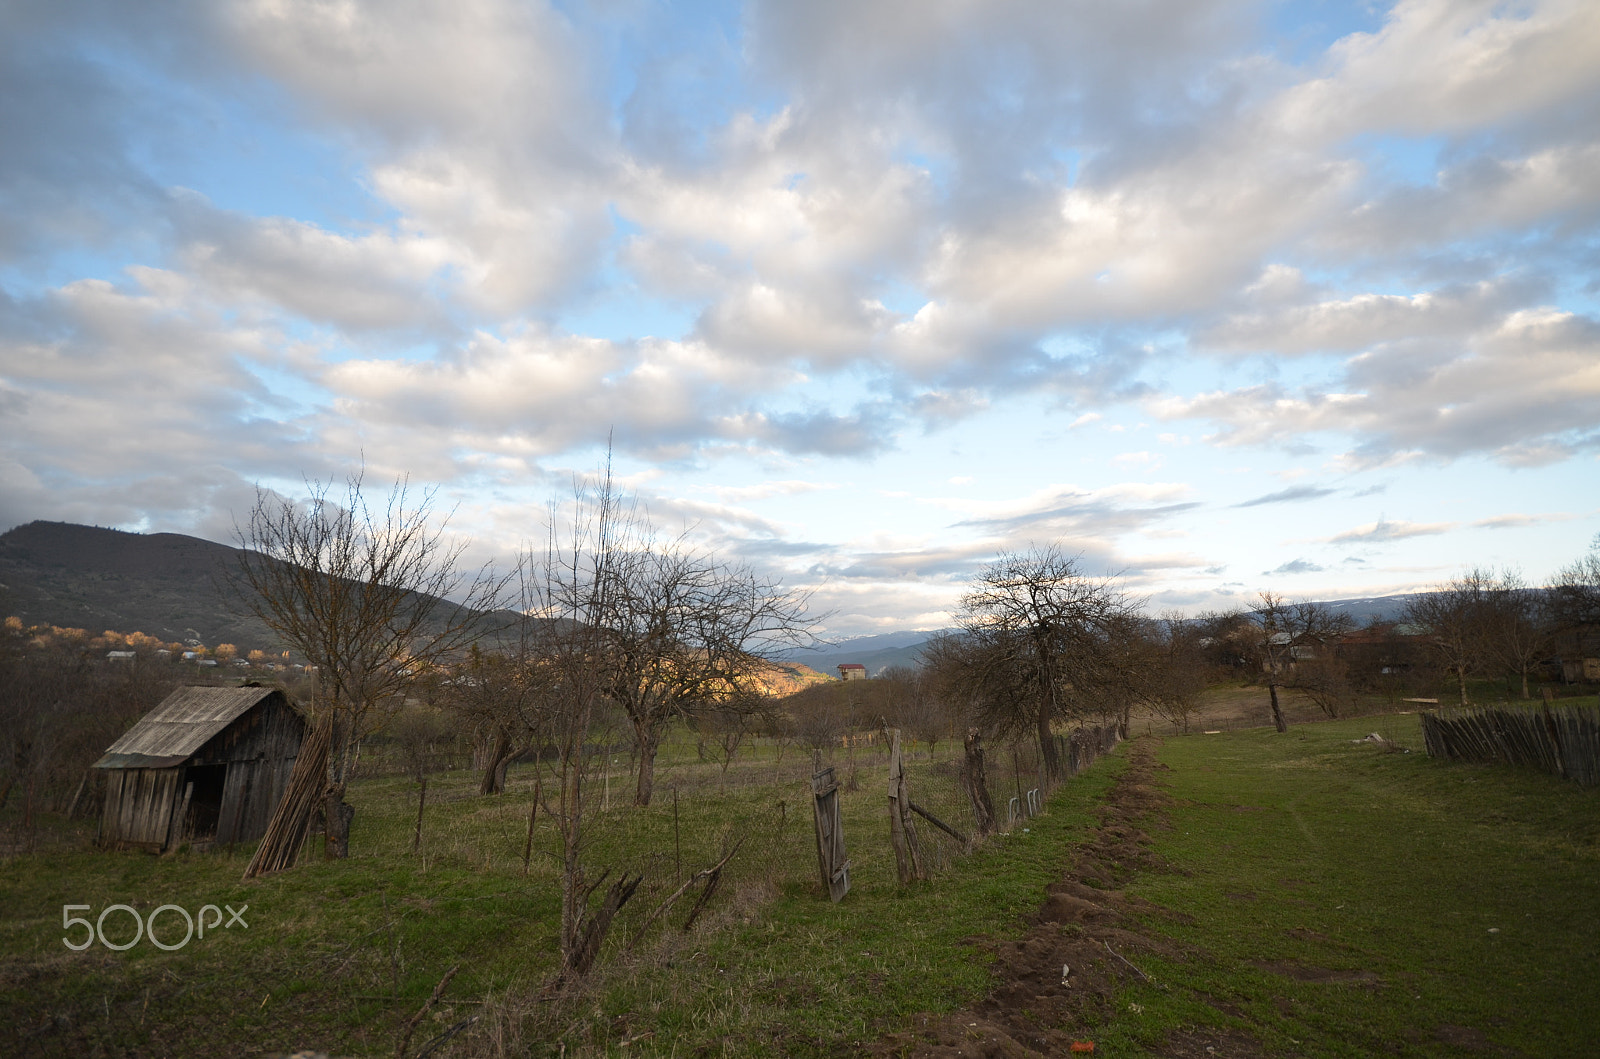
[901, 834]
[831, 860]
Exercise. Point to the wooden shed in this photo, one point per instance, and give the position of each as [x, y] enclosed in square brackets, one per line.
[207, 766]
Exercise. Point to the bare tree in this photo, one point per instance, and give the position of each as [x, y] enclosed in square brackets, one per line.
[569, 594]
[1176, 674]
[1517, 631]
[1574, 599]
[683, 632]
[369, 595]
[1581, 580]
[726, 726]
[916, 706]
[496, 694]
[1294, 645]
[1036, 646]
[1453, 615]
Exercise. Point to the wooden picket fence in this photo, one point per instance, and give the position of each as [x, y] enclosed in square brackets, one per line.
[1560, 739]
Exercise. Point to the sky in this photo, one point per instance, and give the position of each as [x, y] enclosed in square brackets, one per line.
[1216, 296]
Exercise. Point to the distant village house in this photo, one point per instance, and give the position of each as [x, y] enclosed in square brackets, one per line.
[852, 671]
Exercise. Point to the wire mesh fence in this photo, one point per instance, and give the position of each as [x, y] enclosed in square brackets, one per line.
[749, 811]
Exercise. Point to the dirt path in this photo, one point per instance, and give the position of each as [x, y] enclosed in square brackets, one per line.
[1084, 926]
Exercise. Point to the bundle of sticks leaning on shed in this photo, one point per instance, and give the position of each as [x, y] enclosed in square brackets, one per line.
[280, 846]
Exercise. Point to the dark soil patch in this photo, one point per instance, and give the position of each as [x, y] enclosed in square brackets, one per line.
[1057, 981]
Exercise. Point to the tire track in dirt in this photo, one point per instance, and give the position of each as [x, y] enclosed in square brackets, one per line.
[1086, 924]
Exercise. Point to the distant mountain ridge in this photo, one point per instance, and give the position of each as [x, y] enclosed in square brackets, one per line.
[167, 585]
[877, 652]
[904, 647]
[173, 586]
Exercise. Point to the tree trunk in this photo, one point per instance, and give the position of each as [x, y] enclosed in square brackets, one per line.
[494, 772]
[1277, 711]
[533, 816]
[648, 740]
[422, 800]
[1525, 684]
[27, 807]
[1461, 683]
[571, 865]
[1047, 748]
[593, 932]
[339, 814]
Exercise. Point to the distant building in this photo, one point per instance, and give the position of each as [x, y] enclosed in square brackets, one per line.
[121, 656]
[852, 671]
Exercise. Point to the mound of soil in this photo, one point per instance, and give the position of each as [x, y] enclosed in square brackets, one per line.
[1058, 980]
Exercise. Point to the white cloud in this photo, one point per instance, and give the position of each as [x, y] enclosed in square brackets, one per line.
[1448, 66]
[1525, 390]
[1383, 530]
[949, 212]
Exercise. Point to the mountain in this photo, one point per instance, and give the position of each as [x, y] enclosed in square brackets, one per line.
[904, 647]
[877, 653]
[173, 587]
[164, 584]
[1370, 608]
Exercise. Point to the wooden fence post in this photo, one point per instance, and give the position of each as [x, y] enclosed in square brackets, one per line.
[831, 860]
[902, 835]
[977, 783]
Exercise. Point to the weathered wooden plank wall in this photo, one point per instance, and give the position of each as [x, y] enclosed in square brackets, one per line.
[139, 807]
[259, 750]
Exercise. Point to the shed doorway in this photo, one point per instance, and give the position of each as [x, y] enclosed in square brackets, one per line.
[205, 801]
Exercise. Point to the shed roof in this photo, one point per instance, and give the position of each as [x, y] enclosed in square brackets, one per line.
[169, 734]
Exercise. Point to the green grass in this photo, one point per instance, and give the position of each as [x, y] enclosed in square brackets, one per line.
[1458, 901]
[1305, 851]
[338, 954]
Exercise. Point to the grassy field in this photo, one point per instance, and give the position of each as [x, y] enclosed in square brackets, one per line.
[1340, 901]
[338, 955]
[1348, 901]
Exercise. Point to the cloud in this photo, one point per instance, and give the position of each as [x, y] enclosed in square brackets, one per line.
[1525, 391]
[1517, 521]
[254, 239]
[1357, 323]
[1290, 495]
[376, 281]
[1294, 566]
[763, 490]
[168, 390]
[65, 173]
[1383, 530]
[1436, 66]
